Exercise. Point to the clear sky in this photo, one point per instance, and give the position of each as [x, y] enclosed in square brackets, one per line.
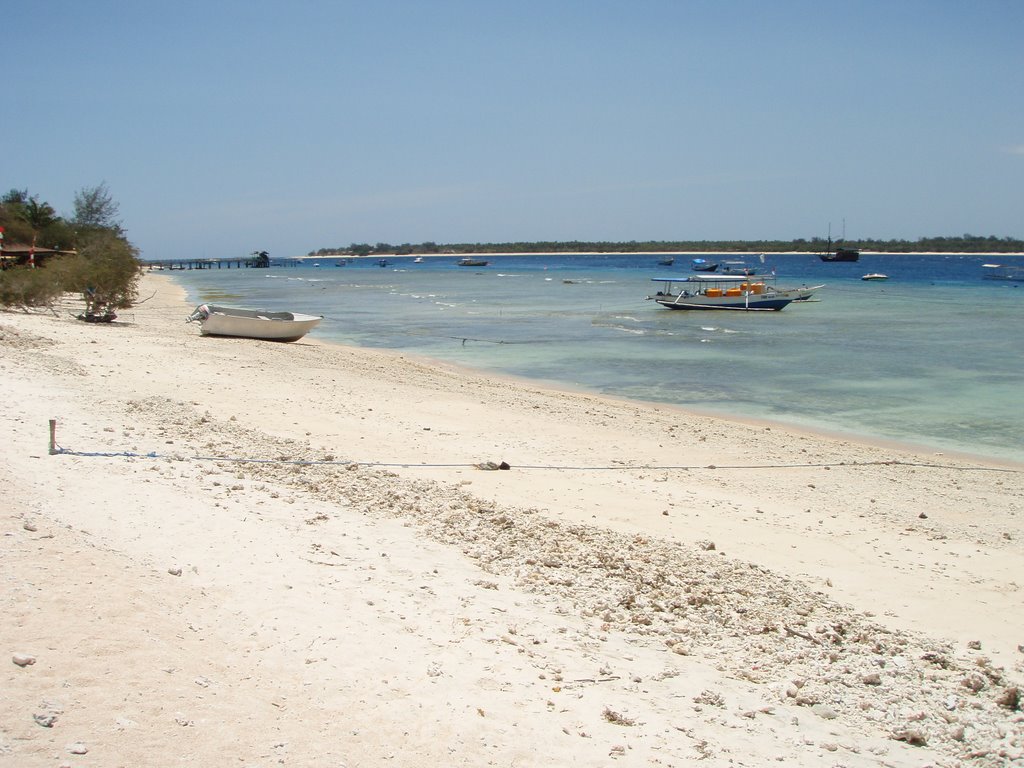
[227, 126]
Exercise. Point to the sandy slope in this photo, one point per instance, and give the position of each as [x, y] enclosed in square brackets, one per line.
[263, 554]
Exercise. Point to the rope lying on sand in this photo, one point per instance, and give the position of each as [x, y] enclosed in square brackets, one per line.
[648, 467]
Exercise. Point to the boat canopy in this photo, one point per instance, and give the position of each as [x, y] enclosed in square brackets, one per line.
[713, 279]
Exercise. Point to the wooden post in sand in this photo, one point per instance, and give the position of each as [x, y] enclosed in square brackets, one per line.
[53, 436]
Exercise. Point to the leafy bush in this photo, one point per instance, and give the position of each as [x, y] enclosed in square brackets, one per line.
[105, 272]
[24, 288]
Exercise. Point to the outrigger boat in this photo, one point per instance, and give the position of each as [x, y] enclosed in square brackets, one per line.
[731, 292]
[252, 323]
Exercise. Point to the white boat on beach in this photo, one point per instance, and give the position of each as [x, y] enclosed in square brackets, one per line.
[728, 292]
[252, 323]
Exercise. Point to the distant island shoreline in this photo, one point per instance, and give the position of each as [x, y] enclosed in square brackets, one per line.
[944, 245]
[414, 254]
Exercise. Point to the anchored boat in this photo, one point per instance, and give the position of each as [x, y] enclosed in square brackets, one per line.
[703, 265]
[730, 292]
[737, 268]
[1010, 272]
[840, 253]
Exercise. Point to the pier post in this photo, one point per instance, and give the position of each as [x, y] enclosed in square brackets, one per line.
[53, 436]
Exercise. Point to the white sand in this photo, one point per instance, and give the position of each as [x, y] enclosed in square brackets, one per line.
[410, 609]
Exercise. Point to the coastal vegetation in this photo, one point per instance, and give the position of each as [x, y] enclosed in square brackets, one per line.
[47, 256]
[944, 244]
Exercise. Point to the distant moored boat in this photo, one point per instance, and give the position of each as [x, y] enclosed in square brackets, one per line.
[1003, 272]
[703, 265]
[840, 254]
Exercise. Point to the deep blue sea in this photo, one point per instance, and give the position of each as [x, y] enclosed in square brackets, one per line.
[932, 356]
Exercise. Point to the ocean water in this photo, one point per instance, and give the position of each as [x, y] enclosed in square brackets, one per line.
[934, 356]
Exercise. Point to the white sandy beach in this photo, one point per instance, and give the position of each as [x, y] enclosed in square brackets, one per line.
[258, 554]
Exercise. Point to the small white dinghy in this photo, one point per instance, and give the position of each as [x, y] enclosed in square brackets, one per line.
[252, 323]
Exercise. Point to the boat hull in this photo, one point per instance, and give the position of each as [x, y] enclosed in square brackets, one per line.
[1011, 273]
[841, 255]
[703, 265]
[253, 324]
[761, 303]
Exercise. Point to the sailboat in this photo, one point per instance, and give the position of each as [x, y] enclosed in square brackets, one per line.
[840, 254]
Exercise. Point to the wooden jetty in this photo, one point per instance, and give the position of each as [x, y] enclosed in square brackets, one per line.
[258, 260]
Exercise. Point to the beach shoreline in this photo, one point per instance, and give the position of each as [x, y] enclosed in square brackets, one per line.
[303, 530]
[473, 254]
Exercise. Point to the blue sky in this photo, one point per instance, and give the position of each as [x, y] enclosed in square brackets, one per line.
[222, 127]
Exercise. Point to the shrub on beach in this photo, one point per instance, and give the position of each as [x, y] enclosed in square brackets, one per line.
[24, 288]
[105, 273]
[104, 269]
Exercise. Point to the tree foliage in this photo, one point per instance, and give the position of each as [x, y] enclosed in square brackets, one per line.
[25, 288]
[27, 219]
[104, 272]
[95, 208]
[99, 263]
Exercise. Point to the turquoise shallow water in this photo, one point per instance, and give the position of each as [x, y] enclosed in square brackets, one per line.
[932, 356]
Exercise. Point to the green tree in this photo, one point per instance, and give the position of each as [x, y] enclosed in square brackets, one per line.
[15, 197]
[38, 215]
[96, 209]
[27, 220]
[105, 273]
[105, 270]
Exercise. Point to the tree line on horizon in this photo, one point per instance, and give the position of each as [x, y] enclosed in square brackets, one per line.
[947, 244]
